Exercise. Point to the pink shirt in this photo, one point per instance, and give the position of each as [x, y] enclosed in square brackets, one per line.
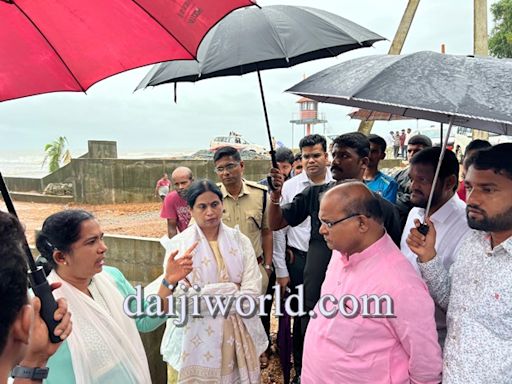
[174, 207]
[163, 183]
[398, 350]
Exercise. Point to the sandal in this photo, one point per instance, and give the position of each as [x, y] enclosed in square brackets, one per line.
[264, 360]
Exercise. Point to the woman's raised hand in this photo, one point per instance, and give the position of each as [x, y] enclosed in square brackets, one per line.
[178, 269]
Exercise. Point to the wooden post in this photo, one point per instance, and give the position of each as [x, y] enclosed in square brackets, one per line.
[480, 44]
[396, 47]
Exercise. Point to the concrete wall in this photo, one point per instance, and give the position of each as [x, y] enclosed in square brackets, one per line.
[112, 181]
[102, 149]
[140, 259]
[28, 184]
[24, 184]
[62, 175]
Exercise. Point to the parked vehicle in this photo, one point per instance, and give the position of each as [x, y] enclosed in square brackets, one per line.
[236, 140]
[434, 133]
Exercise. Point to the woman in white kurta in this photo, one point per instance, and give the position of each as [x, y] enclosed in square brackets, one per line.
[214, 349]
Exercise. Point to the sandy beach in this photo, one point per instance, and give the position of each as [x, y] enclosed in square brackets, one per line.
[140, 219]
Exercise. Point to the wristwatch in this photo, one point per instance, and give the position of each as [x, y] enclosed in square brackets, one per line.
[167, 284]
[268, 267]
[30, 373]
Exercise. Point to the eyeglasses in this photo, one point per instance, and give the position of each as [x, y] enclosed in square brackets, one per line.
[330, 224]
[229, 167]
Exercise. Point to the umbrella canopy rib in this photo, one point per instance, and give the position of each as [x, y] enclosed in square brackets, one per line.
[50, 45]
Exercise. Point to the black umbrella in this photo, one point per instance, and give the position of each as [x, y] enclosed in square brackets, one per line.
[254, 39]
[473, 92]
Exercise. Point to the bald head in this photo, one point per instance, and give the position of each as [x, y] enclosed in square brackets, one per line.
[181, 179]
[181, 172]
[351, 218]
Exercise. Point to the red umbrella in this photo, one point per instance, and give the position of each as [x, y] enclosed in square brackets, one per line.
[68, 45]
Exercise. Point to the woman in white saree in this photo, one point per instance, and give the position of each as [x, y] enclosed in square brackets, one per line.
[105, 346]
[213, 349]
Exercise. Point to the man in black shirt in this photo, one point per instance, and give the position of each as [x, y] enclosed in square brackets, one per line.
[403, 196]
[350, 159]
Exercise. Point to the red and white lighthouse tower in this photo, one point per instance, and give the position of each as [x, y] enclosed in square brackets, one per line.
[308, 116]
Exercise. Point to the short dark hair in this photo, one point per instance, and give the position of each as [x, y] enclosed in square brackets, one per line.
[284, 155]
[199, 187]
[430, 156]
[312, 140]
[376, 139]
[496, 158]
[355, 140]
[13, 274]
[298, 157]
[60, 231]
[421, 140]
[476, 145]
[227, 152]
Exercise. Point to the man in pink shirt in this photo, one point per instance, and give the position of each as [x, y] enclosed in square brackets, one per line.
[175, 207]
[350, 339]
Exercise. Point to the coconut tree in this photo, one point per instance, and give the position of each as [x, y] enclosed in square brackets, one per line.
[57, 153]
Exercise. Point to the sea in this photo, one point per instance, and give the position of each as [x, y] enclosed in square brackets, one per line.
[29, 164]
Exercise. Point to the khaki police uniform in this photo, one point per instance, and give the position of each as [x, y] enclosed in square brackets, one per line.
[250, 213]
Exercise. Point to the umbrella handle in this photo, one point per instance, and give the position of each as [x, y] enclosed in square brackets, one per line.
[38, 281]
[423, 229]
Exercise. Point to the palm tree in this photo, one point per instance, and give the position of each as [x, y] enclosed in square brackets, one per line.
[57, 153]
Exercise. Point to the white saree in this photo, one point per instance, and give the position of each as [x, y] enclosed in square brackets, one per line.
[105, 344]
[214, 349]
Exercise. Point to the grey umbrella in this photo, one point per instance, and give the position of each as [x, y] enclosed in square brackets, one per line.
[473, 92]
[255, 39]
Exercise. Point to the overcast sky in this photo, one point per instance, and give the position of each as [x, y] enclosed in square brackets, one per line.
[149, 119]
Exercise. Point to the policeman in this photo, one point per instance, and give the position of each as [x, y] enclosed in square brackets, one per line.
[245, 205]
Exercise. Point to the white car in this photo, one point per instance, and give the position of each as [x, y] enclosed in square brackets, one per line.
[236, 141]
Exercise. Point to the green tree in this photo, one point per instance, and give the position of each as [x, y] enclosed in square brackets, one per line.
[500, 41]
[57, 153]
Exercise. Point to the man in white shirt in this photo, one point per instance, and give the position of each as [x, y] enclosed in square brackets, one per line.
[294, 241]
[448, 211]
[477, 289]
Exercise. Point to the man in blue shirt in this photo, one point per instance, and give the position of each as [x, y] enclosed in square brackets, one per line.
[377, 181]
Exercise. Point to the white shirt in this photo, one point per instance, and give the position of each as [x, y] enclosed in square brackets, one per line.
[451, 225]
[298, 237]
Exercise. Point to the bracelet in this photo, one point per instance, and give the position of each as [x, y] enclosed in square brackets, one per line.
[278, 202]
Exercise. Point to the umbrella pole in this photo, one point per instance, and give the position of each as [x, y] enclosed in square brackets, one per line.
[38, 281]
[272, 152]
[438, 169]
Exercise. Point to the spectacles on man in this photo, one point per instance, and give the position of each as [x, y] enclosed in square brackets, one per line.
[330, 224]
[228, 167]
